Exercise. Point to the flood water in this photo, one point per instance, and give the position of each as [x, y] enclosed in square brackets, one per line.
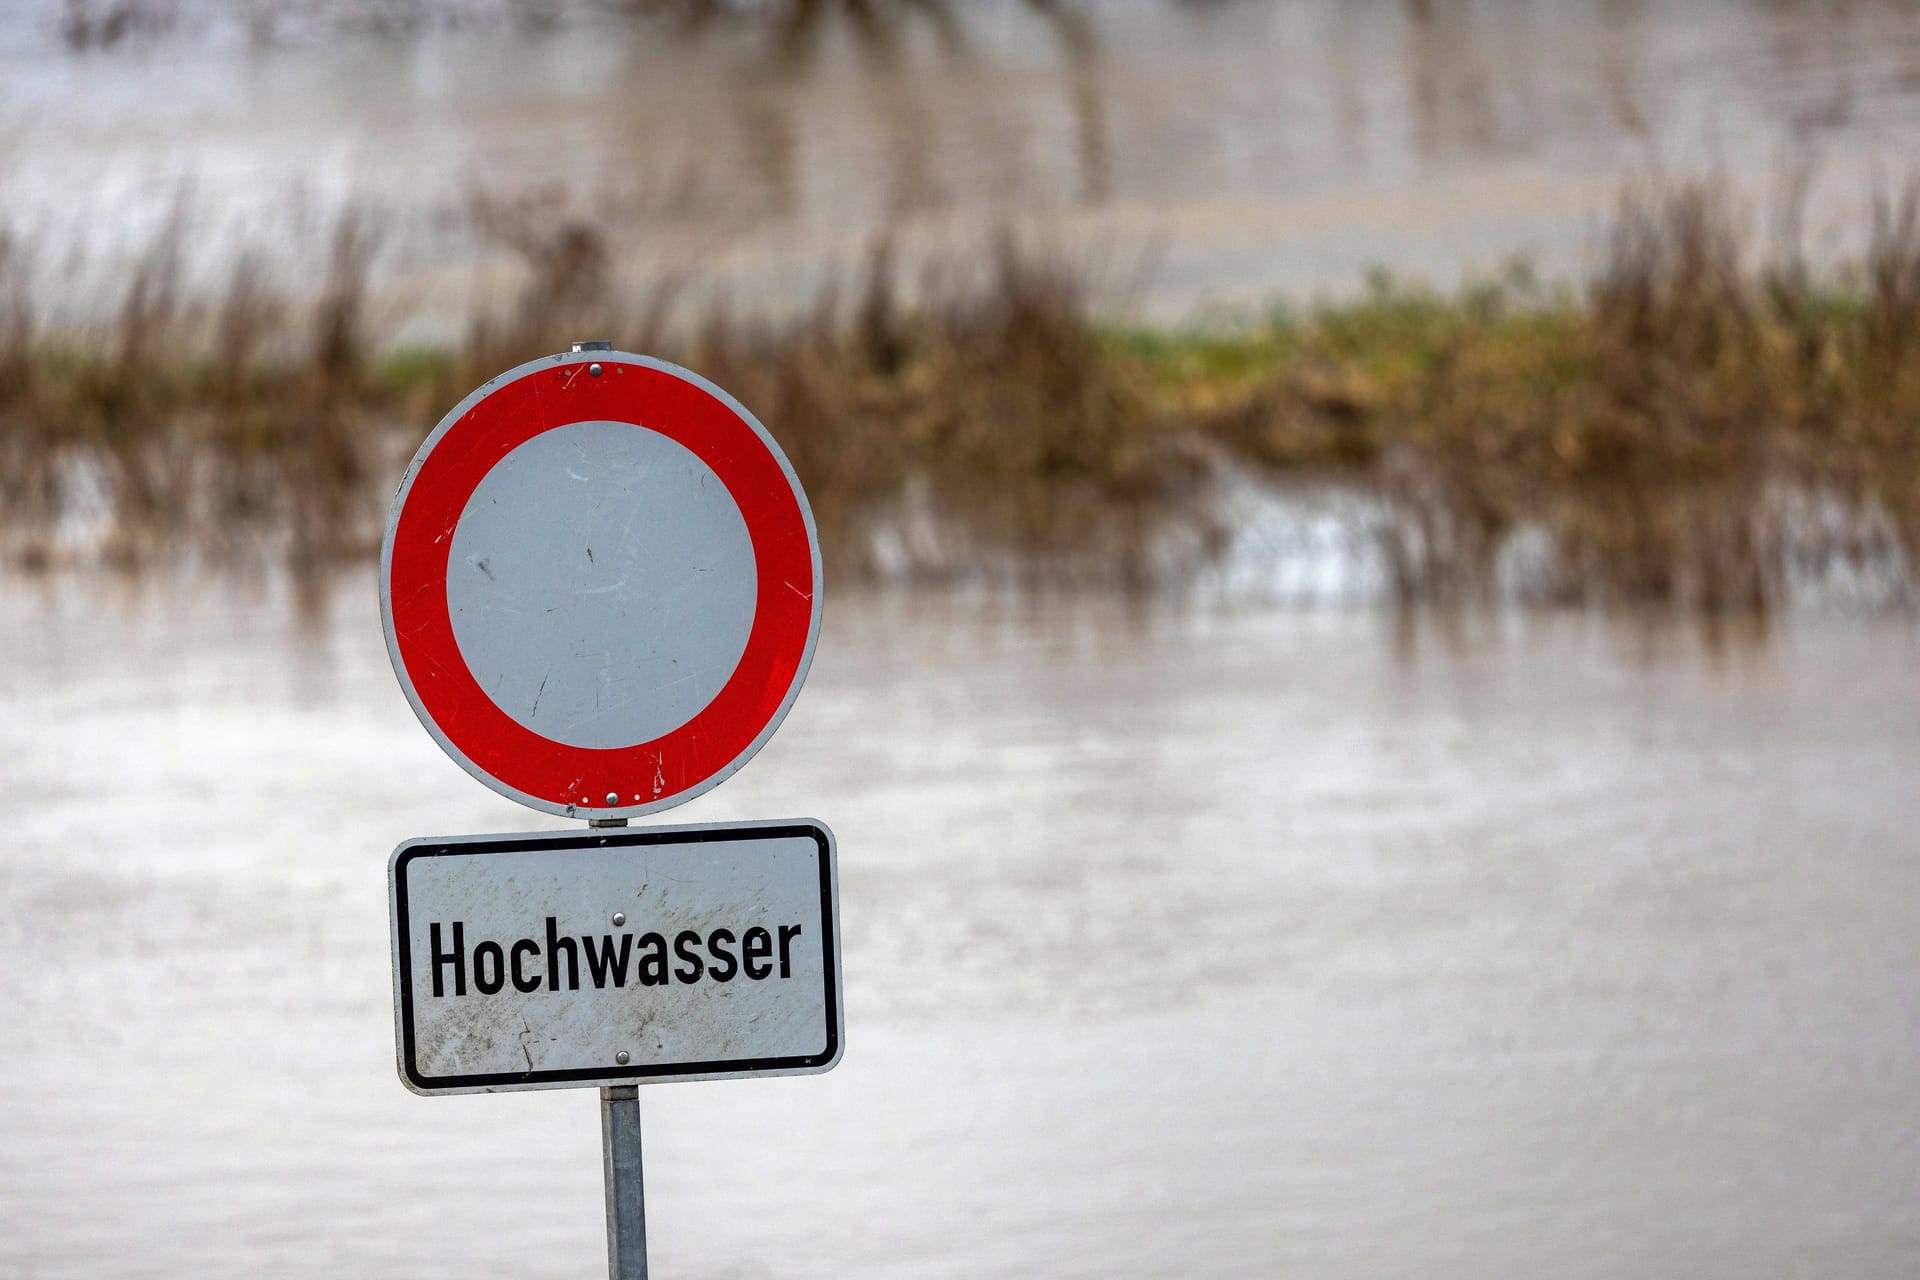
[1181, 938]
[1179, 941]
[1188, 154]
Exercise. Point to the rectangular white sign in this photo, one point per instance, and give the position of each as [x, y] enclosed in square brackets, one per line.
[568, 959]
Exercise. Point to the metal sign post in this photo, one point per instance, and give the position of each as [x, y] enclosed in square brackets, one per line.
[600, 588]
[622, 1166]
[626, 1184]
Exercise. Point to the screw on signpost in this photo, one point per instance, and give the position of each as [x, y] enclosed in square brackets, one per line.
[579, 347]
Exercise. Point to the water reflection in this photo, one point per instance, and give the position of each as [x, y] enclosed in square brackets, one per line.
[1274, 146]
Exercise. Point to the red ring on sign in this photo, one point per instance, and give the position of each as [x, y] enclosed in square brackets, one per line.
[646, 773]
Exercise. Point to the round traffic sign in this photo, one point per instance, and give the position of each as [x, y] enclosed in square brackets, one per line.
[600, 584]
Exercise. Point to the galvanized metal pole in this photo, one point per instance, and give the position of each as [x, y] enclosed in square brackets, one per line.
[626, 1196]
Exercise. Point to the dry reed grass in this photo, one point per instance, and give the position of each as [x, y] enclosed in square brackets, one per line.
[1657, 426]
[1649, 424]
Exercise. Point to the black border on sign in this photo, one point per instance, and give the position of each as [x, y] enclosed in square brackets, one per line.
[605, 839]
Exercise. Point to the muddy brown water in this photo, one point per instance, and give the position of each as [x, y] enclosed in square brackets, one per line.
[1179, 941]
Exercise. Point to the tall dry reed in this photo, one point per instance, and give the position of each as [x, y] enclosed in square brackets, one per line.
[1665, 427]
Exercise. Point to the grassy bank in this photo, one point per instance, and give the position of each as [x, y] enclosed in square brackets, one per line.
[1679, 428]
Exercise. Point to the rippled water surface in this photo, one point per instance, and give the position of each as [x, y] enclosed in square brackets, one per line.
[1177, 942]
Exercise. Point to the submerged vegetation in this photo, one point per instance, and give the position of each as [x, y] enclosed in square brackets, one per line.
[1688, 428]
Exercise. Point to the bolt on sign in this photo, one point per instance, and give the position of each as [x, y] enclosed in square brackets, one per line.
[600, 588]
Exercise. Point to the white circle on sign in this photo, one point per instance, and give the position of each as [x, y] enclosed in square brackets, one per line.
[602, 584]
